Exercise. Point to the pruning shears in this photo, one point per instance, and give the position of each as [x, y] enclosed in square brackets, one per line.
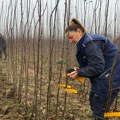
[69, 88]
[69, 73]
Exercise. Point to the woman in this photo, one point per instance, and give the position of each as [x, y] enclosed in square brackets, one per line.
[95, 55]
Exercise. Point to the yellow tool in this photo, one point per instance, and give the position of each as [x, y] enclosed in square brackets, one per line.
[81, 79]
[112, 114]
[69, 73]
[68, 88]
[65, 86]
[71, 91]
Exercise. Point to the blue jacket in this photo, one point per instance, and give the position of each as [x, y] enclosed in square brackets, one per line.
[95, 55]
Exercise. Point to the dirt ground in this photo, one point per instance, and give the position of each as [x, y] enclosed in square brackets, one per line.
[10, 109]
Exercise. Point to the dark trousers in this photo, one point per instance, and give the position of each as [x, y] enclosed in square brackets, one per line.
[98, 105]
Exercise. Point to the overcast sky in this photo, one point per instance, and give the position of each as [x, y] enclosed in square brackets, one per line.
[9, 5]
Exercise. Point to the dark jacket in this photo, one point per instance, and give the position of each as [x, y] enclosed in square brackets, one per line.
[95, 55]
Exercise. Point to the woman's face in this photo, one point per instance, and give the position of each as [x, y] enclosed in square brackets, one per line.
[74, 36]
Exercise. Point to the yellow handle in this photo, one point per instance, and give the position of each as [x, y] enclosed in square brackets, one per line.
[65, 86]
[71, 90]
[112, 114]
[81, 79]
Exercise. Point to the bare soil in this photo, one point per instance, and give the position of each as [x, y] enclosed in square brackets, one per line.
[77, 107]
[9, 107]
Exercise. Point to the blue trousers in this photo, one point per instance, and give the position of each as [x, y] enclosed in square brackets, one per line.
[98, 105]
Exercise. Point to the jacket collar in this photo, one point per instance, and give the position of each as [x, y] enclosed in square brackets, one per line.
[81, 39]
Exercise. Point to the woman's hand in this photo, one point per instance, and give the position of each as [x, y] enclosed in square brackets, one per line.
[73, 75]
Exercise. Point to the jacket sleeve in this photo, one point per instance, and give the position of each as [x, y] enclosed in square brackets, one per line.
[95, 58]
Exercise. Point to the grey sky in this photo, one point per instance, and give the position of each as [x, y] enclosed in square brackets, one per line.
[75, 5]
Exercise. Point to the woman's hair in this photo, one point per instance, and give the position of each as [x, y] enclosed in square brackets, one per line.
[74, 25]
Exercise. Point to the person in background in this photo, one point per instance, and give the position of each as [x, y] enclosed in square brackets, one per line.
[3, 47]
[95, 55]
